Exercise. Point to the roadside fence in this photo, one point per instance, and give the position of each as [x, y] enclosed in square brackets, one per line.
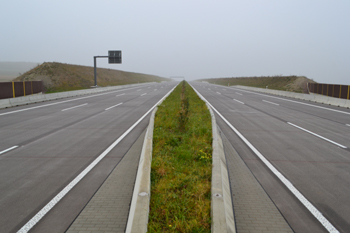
[332, 90]
[16, 89]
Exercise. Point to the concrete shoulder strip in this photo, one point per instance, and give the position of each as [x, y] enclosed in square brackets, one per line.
[222, 217]
[139, 209]
[221, 202]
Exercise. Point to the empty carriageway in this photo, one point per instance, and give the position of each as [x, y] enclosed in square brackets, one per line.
[297, 151]
[55, 155]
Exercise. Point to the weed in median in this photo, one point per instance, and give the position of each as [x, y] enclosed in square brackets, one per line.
[181, 164]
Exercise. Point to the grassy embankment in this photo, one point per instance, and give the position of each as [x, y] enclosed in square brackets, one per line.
[283, 83]
[181, 164]
[58, 77]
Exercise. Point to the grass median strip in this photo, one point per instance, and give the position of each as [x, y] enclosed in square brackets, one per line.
[181, 164]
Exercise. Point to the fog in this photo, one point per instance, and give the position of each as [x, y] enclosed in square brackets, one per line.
[194, 39]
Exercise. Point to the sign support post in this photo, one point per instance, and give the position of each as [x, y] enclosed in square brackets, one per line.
[114, 57]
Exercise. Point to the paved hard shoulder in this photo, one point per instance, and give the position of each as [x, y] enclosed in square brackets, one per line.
[108, 210]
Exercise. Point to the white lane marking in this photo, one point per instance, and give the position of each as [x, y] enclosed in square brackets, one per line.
[120, 95]
[314, 211]
[348, 124]
[238, 101]
[270, 102]
[11, 148]
[45, 105]
[326, 139]
[29, 225]
[209, 89]
[238, 93]
[218, 93]
[139, 89]
[113, 106]
[143, 94]
[293, 101]
[73, 107]
[155, 89]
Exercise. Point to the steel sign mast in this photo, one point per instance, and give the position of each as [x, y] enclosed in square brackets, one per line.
[114, 57]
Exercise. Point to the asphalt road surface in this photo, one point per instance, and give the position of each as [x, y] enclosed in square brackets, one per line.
[45, 146]
[307, 143]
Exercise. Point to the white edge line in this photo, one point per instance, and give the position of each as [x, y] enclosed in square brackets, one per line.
[238, 101]
[11, 148]
[73, 107]
[64, 191]
[120, 95]
[326, 139]
[5, 113]
[314, 211]
[293, 101]
[113, 106]
[270, 102]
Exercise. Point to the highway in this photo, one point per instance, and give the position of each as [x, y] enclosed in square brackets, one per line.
[55, 155]
[307, 143]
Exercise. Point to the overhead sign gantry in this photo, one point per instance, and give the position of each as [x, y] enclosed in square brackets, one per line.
[114, 57]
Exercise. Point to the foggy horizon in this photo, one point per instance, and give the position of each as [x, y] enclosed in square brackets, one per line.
[197, 39]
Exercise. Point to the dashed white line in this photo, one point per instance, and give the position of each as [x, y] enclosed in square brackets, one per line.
[120, 95]
[31, 223]
[270, 102]
[209, 89]
[11, 148]
[45, 105]
[326, 139]
[73, 107]
[218, 93]
[143, 94]
[113, 106]
[238, 93]
[238, 101]
[348, 124]
[313, 210]
[155, 89]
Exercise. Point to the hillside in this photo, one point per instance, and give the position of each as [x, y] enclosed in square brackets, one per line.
[66, 77]
[284, 83]
[11, 70]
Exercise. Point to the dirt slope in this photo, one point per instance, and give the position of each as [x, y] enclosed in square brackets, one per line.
[66, 77]
[284, 83]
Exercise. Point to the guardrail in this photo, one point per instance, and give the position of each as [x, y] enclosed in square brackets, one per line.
[17, 89]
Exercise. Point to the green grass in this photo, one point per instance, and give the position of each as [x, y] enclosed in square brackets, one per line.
[284, 83]
[181, 165]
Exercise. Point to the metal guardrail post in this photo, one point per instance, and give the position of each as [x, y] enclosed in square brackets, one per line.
[13, 90]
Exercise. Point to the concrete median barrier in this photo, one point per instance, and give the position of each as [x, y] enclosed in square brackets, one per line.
[5, 103]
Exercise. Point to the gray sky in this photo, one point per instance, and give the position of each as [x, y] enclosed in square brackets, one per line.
[195, 39]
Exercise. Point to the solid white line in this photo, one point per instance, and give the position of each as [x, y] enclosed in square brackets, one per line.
[45, 105]
[238, 101]
[317, 214]
[270, 102]
[143, 94]
[113, 106]
[11, 148]
[120, 95]
[326, 139]
[74, 107]
[293, 101]
[238, 93]
[64, 191]
[218, 93]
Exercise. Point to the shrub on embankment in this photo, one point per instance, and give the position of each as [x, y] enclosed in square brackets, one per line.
[181, 164]
[59, 77]
[284, 83]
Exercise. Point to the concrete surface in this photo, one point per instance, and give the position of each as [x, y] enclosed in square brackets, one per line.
[108, 209]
